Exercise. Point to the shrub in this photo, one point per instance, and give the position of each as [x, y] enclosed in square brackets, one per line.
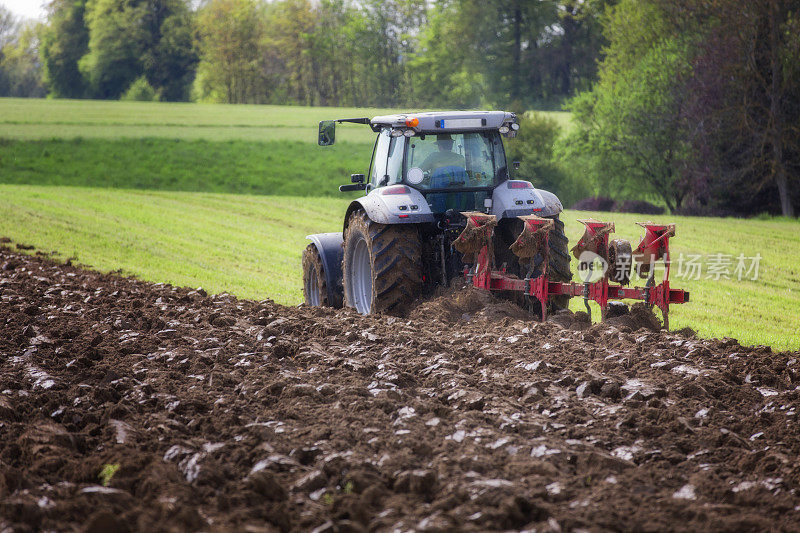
[595, 203]
[534, 149]
[140, 91]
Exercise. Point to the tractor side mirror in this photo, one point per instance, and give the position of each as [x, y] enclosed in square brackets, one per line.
[356, 178]
[327, 132]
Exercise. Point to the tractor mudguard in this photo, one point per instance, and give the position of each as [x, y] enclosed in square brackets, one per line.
[514, 198]
[329, 246]
[552, 205]
[405, 208]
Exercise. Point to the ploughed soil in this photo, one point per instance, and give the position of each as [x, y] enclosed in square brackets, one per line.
[131, 406]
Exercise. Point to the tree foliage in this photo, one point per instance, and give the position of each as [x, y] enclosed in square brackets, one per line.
[420, 53]
[116, 45]
[631, 125]
[140, 91]
[19, 66]
[231, 37]
[743, 103]
[64, 41]
[131, 38]
[533, 148]
[698, 104]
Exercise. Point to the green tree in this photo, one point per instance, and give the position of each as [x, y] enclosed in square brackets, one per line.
[572, 49]
[231, 37]
[130, 38]
[440, 69]
[65, 39]
[20, 71]
[698, 103]
[140, 91]
[170, 60]
[532, 53]
[534, 149]
[744, 103]
[630, 131]
[289, 35]
[8, 26]
[117, 42]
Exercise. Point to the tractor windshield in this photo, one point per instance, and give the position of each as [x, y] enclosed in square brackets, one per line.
[455, 161]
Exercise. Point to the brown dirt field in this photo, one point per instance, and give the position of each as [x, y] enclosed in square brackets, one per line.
[235, 415]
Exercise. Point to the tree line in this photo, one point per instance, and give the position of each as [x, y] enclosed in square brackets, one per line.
[453, 53]
[694, 104]
[697, 104]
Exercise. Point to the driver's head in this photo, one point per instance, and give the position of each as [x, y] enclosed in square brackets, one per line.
[444, 142]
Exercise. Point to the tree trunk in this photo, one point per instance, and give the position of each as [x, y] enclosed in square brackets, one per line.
[776, 112]
[517, 53]
[787, 209]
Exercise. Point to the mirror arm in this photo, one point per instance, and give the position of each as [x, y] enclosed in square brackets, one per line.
[353, 120]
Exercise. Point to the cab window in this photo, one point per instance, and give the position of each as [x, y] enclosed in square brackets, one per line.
[394, 166]
[455, 160]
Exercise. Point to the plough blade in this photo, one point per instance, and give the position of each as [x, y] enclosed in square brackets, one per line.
[654, 246]
[533, 237]
[594, 239]
[477, 233]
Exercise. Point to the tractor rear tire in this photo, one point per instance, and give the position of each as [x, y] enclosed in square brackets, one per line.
[382, 266]
[558, 268]
[315, 290]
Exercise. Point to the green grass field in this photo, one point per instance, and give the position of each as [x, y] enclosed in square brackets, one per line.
[270, 167]
[22, 118]
[69, 170]
[28, 119]
[250, 246]
[182, 147]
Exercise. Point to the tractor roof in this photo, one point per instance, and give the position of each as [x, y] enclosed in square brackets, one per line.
[437, 121]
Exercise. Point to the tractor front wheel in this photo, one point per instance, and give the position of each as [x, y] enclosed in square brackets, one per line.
[382, 266]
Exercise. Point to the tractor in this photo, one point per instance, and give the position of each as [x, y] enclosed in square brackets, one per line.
[441, 202]
[426, 170]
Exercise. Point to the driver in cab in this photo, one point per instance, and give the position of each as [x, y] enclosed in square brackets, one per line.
[444, 157]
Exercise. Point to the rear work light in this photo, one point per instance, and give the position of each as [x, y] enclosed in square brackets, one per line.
[396, 189]
[517, 184]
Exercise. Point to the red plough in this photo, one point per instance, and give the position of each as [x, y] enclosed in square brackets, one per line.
[614, 257]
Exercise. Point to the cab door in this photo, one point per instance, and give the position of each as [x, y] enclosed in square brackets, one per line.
[380, 156]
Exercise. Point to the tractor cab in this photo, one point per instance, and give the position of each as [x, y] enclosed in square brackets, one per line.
[454, 159]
